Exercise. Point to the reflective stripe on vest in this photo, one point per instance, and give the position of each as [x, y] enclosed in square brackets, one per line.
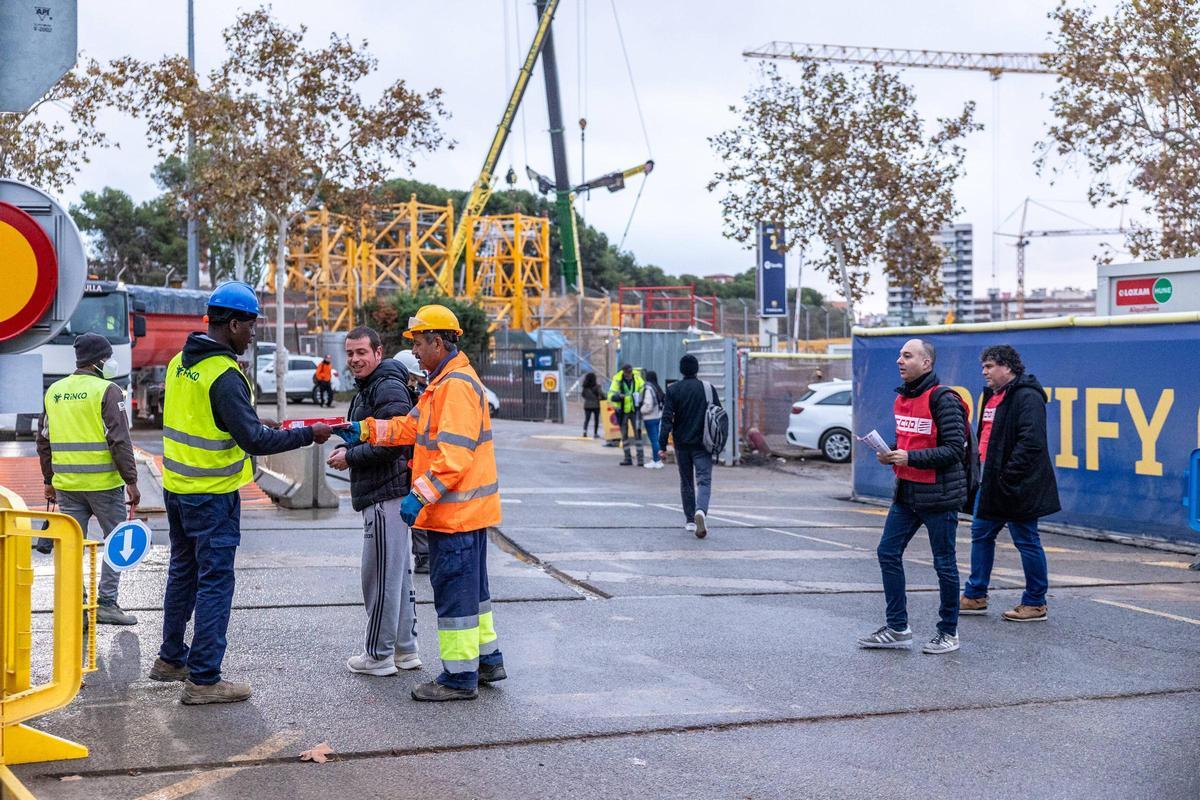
[199, 457]
[79, 453]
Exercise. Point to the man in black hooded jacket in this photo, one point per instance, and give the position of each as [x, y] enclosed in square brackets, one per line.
[1017, 485]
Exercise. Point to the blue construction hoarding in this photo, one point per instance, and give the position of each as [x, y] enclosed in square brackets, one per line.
[1123, 417]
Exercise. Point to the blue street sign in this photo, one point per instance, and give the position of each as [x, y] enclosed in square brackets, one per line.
[772, 274]
[127, 545]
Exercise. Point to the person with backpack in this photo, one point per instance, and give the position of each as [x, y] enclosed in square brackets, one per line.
[931, 459]
[1017, 486]
[685, 413]
[652, 410]
[379, 480]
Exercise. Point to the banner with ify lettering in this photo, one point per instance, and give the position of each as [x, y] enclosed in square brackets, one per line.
[772, 271]
[1123, 417]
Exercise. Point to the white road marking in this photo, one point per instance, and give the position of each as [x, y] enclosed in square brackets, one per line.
[1163, 614]
[203, 780]
[516, 500]
[697, 555]
[598, 503]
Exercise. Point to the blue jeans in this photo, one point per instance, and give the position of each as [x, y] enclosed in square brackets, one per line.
[983, 552]
[458, 575]
[902, 523]
[205, 533]
[652, 429]
[695, 479]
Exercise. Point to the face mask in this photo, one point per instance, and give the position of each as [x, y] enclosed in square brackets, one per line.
[109, 369]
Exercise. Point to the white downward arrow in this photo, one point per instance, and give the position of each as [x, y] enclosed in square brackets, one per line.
[127, 547]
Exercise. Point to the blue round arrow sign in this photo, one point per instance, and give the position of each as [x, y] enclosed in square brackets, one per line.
[127, 545]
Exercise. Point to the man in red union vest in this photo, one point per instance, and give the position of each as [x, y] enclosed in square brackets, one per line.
[931, 488]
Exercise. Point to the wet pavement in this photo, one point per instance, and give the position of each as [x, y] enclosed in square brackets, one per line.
[645, 662]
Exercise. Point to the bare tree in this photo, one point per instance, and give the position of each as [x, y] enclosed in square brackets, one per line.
[48, 144]
[1128, 104]
[279, 123]
[841, 159]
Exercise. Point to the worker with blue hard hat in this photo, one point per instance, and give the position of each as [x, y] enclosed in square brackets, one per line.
[210, 430]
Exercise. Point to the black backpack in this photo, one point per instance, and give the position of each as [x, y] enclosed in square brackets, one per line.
[716, 422]
[970, 454]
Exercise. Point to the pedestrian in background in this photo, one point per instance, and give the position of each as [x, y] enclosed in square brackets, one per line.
[86, 456]
[210, 430]
[591, 395]
[323, 378]
[932, 485]
[652, 411]
[379, 479]
[455, 496]
[625, 393]
[416, 385]
[1017, 485]
[684, 406]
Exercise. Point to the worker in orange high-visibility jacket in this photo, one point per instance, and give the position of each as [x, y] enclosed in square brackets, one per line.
[455, 496]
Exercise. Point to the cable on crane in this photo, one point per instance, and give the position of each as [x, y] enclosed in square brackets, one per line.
[637, 103]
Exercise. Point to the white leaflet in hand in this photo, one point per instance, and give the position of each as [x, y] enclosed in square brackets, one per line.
[874, 441]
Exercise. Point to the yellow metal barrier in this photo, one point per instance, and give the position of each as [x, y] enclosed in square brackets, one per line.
[20, 744]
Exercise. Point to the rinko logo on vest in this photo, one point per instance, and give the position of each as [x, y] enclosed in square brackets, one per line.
[72, 396]
[183, 372]
[914, 425]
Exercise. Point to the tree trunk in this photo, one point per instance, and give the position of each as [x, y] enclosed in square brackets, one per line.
[239, 260]
[281, 405]
[840, 248]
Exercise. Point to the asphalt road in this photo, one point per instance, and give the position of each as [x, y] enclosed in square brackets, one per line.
[645, 662]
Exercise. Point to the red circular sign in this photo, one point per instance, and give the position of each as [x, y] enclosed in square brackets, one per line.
[30, 271]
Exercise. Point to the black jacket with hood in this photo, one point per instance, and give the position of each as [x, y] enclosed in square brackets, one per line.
[379, 473]
[1018, 479]
[949, 491]
[232, 409]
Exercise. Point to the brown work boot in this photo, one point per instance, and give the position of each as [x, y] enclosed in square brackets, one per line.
[162, 671]
[972, 606]
[1024, 613]
[219, 692]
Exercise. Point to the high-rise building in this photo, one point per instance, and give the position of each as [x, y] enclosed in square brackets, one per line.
[958, 284]
[1039, 304]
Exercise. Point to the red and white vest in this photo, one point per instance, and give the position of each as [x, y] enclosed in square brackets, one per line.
[917, 430]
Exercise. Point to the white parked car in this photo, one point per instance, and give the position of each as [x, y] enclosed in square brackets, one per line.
[299, 380]
[820, 420]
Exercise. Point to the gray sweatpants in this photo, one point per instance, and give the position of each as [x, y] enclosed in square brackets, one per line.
[109, 509]
[387, 582]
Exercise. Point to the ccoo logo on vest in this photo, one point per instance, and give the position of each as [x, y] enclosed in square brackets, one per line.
[127, 545]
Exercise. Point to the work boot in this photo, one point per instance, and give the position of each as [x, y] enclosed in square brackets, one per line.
[492, 674]
[407, 661]
[109, 613]
[167, 673]
[435, 692]
[365, 665]
[972, 606]
[1024, 613]
[421, 565]
[219, 692]
[627, 462]
[45, 546]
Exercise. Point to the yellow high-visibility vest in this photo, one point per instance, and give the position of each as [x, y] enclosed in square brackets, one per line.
[79, 450]
[199, 457]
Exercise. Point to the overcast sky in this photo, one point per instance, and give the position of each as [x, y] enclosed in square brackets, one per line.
[687, 64]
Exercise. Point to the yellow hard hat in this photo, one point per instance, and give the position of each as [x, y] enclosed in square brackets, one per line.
[433, 317]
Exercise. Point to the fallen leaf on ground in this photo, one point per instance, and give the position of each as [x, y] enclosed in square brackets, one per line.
[319, 754]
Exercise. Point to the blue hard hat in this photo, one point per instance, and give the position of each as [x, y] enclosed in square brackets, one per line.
[235, 295]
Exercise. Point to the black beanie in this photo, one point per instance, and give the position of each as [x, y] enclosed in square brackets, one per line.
[91, 348]
[689, 366]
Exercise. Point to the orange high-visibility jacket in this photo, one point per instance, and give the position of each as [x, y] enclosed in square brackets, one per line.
[324, 372]
[454, 462]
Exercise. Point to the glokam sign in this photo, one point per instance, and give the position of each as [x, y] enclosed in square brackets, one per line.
[1123, 416]
[1144, 291]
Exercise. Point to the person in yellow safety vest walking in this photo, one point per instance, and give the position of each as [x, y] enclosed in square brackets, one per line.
[455, 497]
[86, 455]
[210, 430]
[625, 393]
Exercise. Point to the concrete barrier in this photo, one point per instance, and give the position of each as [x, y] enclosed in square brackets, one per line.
[296, 479]
[149, 483]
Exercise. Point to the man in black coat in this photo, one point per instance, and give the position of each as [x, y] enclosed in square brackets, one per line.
[931, 488]
[1017, 486]
[684, 407]
[379, 480]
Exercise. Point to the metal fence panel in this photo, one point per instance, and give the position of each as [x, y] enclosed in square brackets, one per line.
[718, 366]
[653, 350]
[773, 381]
[520, 397]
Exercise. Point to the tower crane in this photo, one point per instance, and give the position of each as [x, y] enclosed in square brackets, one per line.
[994, 64]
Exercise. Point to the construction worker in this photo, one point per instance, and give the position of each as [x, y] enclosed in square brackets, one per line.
[455, 497]
[625, 393]
[210, 430]
[87, 456]
[416, 382]
[323, 378]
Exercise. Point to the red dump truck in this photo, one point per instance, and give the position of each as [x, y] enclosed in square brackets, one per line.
[162, 320]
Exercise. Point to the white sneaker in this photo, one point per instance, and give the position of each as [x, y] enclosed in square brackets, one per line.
[365, 665]
[408, 661]
[649, 465]
[690, 527]
[657, 464]
[701, 525]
